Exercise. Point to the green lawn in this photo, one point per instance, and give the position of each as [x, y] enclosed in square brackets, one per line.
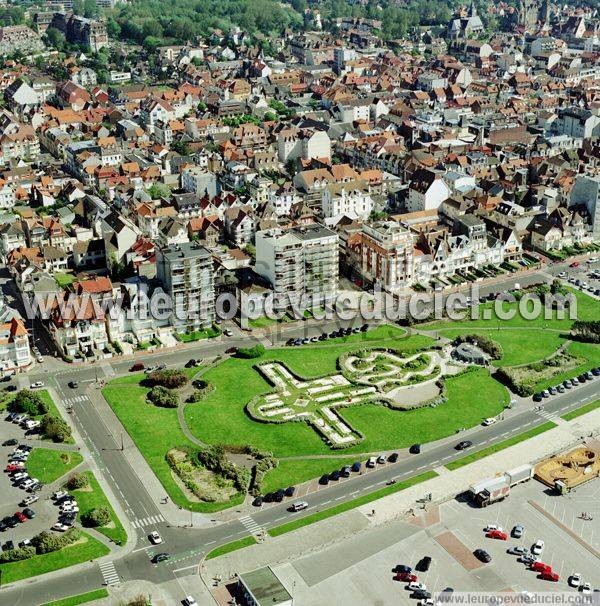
[485, 452]
[209, 333]
[471, 398]
[581, 410]
[82, 598]
[155, 430]
[296, 471]
[342, 507]
[84, 551]
[49, 465]
[229, 547]
[93, 497]
[221, 417]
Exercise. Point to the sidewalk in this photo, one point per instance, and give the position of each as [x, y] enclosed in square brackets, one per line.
[397, 506]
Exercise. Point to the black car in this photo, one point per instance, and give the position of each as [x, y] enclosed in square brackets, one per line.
[10, 442]
[289, 491]
[258, 501]
[415, 449]
[73, 384]
[421, 594]
[482, 555]
[393, 457]
[269, 497]
[324, 480]
[334, 475]
[11, 416]
[278, 496]
[596, 372]
[424, 564]
[288, 342]
[403, 568]
[537, 397]
[161, 557]
[29, 513]
[364, 328]
[323, 337]
[464, 444]
[333, 335]
[356, 466]
[3, 526]
[582, 378]
[8, 545]
[192, 362]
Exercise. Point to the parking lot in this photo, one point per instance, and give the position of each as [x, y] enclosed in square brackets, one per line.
[585, 277]
[359, 570]
[12, 496]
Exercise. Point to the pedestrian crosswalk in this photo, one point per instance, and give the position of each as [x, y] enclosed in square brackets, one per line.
[76, 399]
[551, 416]
[251, 526]
[149, 521]
[109, 573]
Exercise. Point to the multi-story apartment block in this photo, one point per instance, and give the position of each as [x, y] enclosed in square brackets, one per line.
[387, 255]
[299, 262]
[186, 273]
[352, 199]
[199, 181]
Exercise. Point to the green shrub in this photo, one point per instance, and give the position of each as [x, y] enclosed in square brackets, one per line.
[55, 429]
[47, 542]
[13, 555]
[171, 379]
[99, 516]
[251, 352]
[28, 402]
[163, 397]
[77, 480]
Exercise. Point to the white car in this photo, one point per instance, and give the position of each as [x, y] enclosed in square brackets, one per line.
[60, 527]
[538, 547]
[416, 585]
[575, 580]
[155, 538]
[189, 601]
[586, 588]
[59, 494]
[70, 509]
[427, 602]
[491, 527]
[489, 421]
[37, 384]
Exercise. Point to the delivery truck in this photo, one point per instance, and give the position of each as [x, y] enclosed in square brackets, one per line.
[495, 489]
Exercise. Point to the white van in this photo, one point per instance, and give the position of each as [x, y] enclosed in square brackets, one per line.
[299, 506]
[372, 462]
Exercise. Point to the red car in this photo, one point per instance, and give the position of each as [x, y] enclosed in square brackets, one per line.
[406, 577]
[541, 567]
[497, 534]
[549, 576]
[138, 366]
[21, 516]
[14, 467]
[574, 264]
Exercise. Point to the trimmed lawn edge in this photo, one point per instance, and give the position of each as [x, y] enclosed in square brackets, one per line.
[229, 547]
[581, 410]
[82, 598]
[485, 452]
[343, 507]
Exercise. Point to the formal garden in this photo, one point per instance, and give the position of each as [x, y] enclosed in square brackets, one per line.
[276, 417]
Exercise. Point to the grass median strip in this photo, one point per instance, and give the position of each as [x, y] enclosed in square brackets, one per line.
[229, 547]
[486, 452]
[581, 410]
[82, 598]
[342, 507]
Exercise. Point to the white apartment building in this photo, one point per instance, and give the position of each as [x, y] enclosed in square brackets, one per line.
[299, 262]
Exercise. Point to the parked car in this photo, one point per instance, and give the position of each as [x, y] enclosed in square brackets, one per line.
[541, 567]
[10, 441]
[289, 491]
[356, 466]
[59, 527]
[346, 471]
[137, 367]
[189, 601]
[585, 588]
[21, 516]
[29, 513]
[574, 580]
[29, 500]
[406, 577]
[258, 501]
[324, 479]
[424, 564]
[482, 555]
[415, 449]
[415, 585]
[489, 421]
[550, 576]
[402, 568]
[37, 384]
[334, 475]
[518, 531]
[538, 547]
[517, 550]
[491, 527]
[393, 457]
[73, 384]
[497, 534]
[381, 459]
